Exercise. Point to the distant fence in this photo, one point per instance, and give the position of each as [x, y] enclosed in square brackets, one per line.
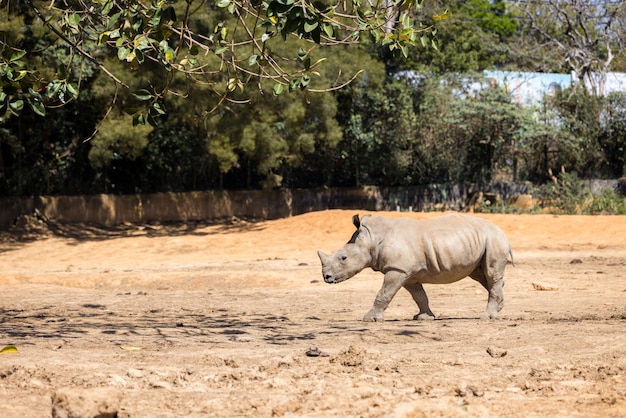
[109, 210]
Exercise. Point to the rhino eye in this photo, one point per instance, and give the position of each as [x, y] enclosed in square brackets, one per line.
[344, 257]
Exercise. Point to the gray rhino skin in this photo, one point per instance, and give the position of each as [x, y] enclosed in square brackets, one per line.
[409, 253]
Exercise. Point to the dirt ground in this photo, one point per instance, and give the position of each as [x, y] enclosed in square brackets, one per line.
[217, 319]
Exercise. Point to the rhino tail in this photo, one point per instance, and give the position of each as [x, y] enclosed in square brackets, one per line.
[511, 255]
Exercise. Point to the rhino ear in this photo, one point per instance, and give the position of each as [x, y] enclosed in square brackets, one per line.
[356, 221]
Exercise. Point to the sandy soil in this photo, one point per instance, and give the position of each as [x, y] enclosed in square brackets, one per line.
[216, 320]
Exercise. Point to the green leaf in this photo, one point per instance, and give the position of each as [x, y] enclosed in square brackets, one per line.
[122, 53]
[107, 8]
[37, 106]
[103, 37]
[309, 26]
[152, 120]
[387, 40]
[53, 88]
[253, 59]
[220, 50]
[304, 81]
[278, 89]
[170, 55]
[139, 55]
[222, 3]
[113, 20]
[143, 95]
[143, 42]
[139, 119]
[157, 108]
[156, 18]
[74, 19]
[194, 50]
[16, 106]
[20, 75]
[72, 89]
[443, 16]
[17, 55]
[405, 51]
[328, 30]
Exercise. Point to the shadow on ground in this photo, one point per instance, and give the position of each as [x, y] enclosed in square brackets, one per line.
[29, 228]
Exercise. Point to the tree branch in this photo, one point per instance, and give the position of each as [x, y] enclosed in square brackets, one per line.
[73, 44]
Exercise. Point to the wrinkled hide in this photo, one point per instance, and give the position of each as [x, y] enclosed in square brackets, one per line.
[410, 253]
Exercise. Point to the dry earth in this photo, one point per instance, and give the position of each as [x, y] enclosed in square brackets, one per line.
[216, 320]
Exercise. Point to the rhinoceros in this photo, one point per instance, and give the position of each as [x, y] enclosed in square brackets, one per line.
[411, 252]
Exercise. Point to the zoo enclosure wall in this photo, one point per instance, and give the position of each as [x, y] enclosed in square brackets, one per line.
[110, 210]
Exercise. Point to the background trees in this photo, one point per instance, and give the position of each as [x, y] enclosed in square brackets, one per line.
[586, 33]
[231, 105]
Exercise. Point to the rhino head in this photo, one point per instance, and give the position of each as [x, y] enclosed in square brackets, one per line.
[349, 260]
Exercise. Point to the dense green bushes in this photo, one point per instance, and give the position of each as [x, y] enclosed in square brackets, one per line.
[567, 194]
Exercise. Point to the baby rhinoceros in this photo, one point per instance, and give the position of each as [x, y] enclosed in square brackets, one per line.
[409, 253]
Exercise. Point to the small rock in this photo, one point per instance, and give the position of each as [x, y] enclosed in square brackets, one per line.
[352, 356]
[135, 374]
[315, 352]
[576, 261]
[159, 384]
[93, 402]
[231, 362]
[496, 352]
[464, 389]
[475, 391]
[117, 380]
[544, 286]
[288, 408]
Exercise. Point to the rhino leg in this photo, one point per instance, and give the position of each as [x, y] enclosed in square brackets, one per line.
[495, 301]
[419, 296]
[391, 284]
[493, 281]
